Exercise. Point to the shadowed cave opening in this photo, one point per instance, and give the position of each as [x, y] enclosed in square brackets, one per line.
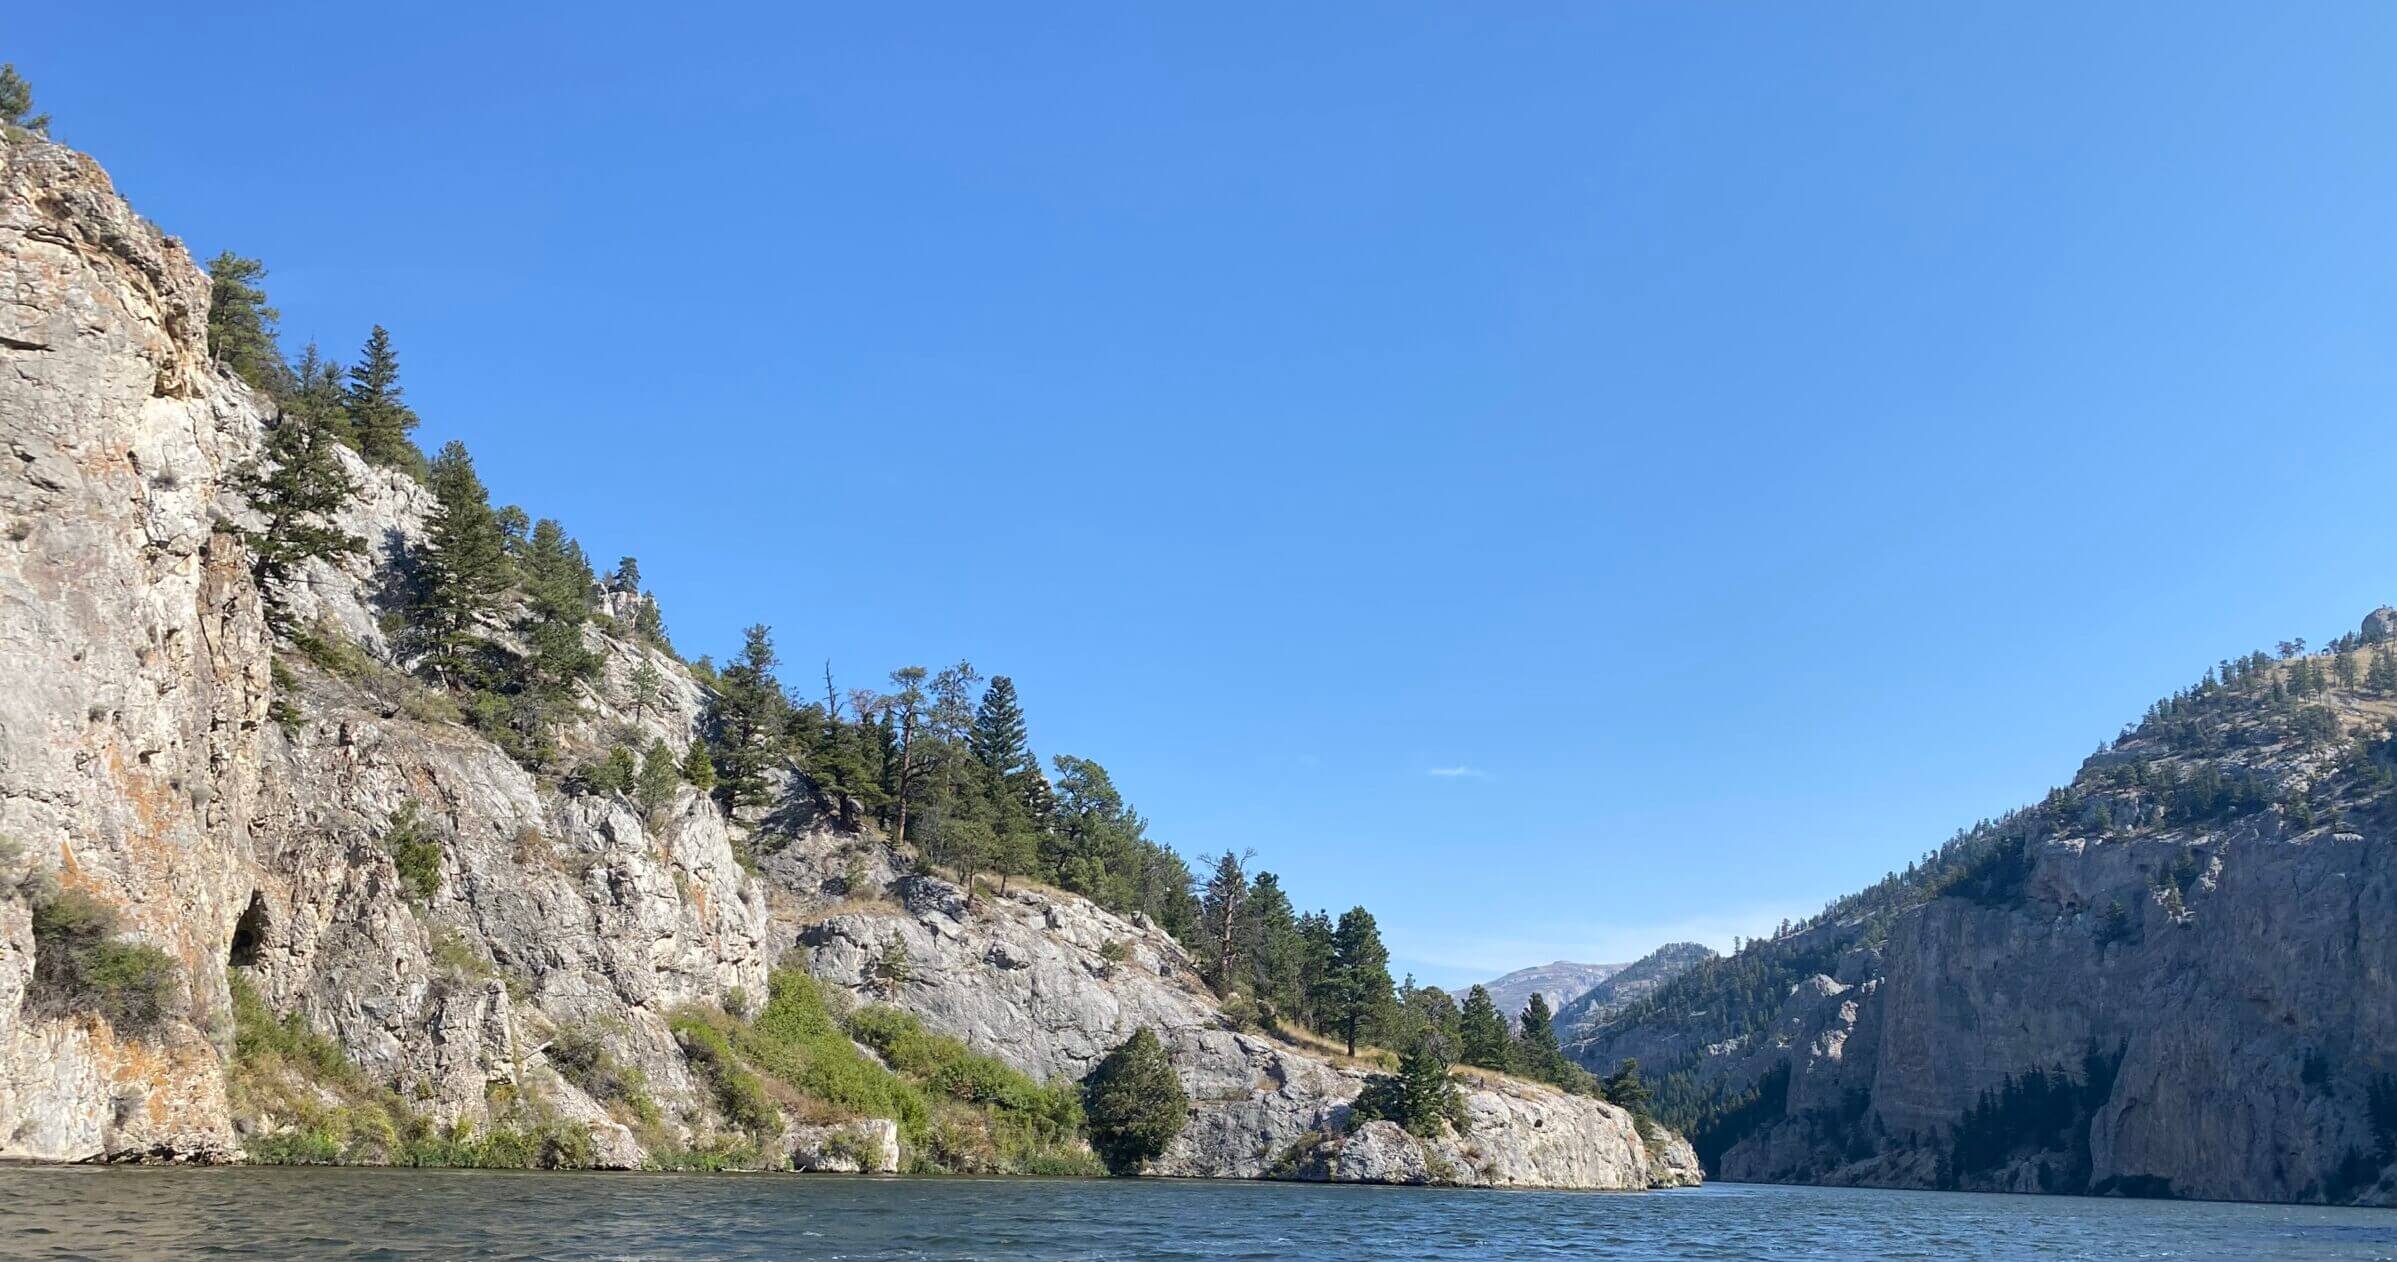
[249, 933]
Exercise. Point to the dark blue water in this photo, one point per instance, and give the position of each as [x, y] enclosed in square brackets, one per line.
[140, 1214]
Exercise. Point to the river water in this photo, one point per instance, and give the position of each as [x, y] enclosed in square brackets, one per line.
[143, 1214]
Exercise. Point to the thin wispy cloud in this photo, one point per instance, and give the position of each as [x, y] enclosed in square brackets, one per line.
[1459, 772]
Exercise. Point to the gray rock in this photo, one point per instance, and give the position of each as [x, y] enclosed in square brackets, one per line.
[140, 762]
[870, 1146]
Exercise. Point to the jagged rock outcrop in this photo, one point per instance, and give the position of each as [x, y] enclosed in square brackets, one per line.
[132, 645]
[474, 942]
[138, 761]
[2169, 979]
[1051, 983]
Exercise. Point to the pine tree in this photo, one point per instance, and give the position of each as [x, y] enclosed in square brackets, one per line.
[1428, 1098]
[298, 485]
[557, 587]
[1273, 950]
[1135, 1103]
[698, 768]
[750, 719]
[649, 624]
[998, 739]
[659, 778]
[16, 103]
[1482, 1034]
[1221, 920]
[558, 582]
[950, 807]
[1009, 775]
[241, 327]
[1032, 788]
[1316, 949]
[463, 571]
[905, 715]
[317, 393]
[377, 410]
[627, 577]
[1537, 1052]
[2381, 677]
[645, 691]
[1358, 986]
[1624, 1090]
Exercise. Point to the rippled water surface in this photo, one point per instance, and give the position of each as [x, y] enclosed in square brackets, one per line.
[141, 1214]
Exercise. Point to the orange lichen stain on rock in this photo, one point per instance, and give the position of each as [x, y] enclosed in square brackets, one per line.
[102, 462]
[158, 807]
[164, 1074]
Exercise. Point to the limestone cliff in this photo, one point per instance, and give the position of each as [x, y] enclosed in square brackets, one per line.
[346, 879]
[2170, 978]
[1050, 983]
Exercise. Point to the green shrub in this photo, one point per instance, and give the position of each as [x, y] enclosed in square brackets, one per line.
[582, 1058]
[796, 1039]
[950, 1068]
[709, 1156]
[739, 1093]
[80, 965]
[334, 652]
[458, 960]
[547, 1145]
[416, 852]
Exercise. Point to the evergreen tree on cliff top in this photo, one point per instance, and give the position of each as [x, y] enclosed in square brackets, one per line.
[1482, 1033]
[464, 568]
[297, 484]
[751, 710]
[998, 737]
[377, 412]
[1273, 950]
[1222, 921]
[16, 103]
[241, 327]
[1357, 991]
[1537, 1052]
[1135, 1103]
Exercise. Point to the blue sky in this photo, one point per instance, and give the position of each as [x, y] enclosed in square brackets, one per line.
[1564, 476]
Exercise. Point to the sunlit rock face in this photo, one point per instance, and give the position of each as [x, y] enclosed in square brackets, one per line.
[238, 803]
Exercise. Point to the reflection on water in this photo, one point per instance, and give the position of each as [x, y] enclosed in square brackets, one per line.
[141, 1214]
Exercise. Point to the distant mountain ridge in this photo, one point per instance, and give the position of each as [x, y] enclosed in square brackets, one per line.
[1562, 982]
[1585, 994]
[1630, 984]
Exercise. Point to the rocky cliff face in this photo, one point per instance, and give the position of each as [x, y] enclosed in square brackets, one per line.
[2169, 979]
[1051, 983]
[304, 817]
[138, 762]
[132, 645]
